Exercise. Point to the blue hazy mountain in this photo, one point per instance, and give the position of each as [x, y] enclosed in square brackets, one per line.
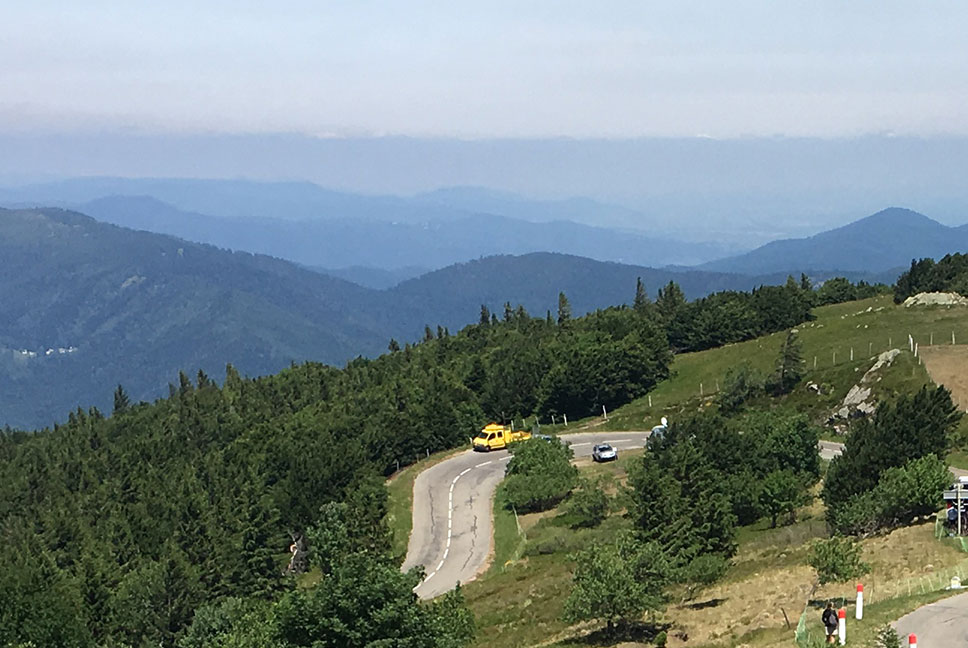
[319, 228]
[89, 305]
[746, 190]
[888, 239]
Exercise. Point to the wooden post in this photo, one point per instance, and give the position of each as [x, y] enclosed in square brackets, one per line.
[604, 413]
[814, 362]
[700, 390]
[931, 339]
[650, 401]
[870, 348]
[835, 357]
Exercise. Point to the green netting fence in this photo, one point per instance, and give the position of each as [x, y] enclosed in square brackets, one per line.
[883, 591]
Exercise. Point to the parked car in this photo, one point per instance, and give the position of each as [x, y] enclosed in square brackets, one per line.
[604, 452]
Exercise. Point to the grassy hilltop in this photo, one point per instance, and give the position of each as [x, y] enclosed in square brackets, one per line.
[869, 327]
[520, 600]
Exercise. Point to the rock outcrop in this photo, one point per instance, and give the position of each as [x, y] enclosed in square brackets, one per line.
[936, 299]
[859, 402]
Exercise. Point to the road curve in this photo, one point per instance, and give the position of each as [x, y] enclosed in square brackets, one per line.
[938, 624]
[452, 526]
[452, 505]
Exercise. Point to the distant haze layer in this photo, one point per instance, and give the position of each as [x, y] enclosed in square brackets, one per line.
[692, 188]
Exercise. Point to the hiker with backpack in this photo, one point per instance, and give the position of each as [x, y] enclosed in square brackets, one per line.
[830, 623]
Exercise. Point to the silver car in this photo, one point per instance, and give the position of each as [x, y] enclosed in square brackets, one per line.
[604, 452]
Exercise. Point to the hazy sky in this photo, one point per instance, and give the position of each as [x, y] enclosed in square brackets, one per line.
[486, 68]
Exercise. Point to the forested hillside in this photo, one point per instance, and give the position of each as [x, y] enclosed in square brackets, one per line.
[89, 305]
[115, 530]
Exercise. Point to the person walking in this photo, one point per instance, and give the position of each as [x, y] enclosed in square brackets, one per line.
[829, 618]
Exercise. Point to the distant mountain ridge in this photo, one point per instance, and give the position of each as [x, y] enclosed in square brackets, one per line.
[89, 305]
[135, 308]
[891, 238]
[317, 227]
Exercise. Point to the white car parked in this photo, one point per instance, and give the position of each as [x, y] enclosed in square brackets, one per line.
[604, 452]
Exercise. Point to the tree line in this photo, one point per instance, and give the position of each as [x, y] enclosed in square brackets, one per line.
[126, 530]
[950, 274]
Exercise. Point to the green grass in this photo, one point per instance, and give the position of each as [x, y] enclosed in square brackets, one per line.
[959, 458]
[836, 330]
[509, 540]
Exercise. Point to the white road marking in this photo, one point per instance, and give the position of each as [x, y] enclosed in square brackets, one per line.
[450, 503]
[450, 520]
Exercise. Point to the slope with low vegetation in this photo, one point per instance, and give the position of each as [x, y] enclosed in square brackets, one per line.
[771, 577]
[168, 523]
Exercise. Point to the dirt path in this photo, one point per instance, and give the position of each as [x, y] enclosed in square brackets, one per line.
[948, 365]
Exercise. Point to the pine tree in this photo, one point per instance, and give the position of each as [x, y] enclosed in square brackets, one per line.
[789, 366]
[121, 400]
[564, 309]
[805, 283]
[641, 304]
[669, 302]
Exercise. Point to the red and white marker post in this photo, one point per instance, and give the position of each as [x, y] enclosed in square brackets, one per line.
[912, 641]
[842, 626]
[859, 610]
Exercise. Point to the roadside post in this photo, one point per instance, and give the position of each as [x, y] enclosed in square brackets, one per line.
[958, 496]
[842, 626]
[912, 641]
[859, 610]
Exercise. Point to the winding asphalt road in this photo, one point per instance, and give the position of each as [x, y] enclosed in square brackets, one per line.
[452, 505]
